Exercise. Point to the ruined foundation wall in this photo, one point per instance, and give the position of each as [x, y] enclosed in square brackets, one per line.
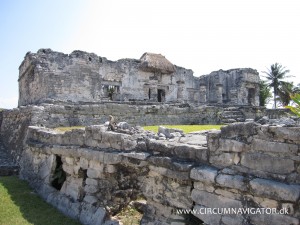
[16, 121]
[244, 165]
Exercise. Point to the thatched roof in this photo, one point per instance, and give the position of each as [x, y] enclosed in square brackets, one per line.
[156, 63]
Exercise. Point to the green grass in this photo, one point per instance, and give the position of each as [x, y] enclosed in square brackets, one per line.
[19, 205]
[185, 128]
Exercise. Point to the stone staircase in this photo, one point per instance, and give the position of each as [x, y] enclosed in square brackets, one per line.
[7, 166]
[232, 115]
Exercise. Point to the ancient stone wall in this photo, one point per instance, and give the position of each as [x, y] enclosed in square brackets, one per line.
[16, 121]
[244, 165]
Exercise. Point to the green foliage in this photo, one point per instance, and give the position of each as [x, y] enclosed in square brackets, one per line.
[295, 109]
[19, 205]
[264, 93]
[275, 76]
[285, 91]
[185, 128]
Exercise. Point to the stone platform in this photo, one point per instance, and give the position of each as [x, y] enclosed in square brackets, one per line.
[7, 166]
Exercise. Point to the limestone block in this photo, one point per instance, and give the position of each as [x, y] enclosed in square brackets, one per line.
[160, 146]
[170, 173]
[214, 201]
[277, 147]
[204, 173]
[267, 163]
[227, 145]
[110, 169]
[90, 181]
[194, 152]
[91, 189]
[232, 194]
[224, 159]
[136, 155]
[286, 133]
[266, 203]
[93, 164]
[274, 219]
[275, 190]
[46, 168]
[204, 186]
[69, 169]
[111, 158]
[92, 215]
[237, 182]
[84, 163]
[94, 173]
[69, 160]
[73, 187]
[199, 211]
[239, 129]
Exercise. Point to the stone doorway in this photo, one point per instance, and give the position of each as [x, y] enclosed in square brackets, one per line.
[251, 96]
[161, 95]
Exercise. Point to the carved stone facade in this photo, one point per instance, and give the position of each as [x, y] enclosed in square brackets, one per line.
[85, 77]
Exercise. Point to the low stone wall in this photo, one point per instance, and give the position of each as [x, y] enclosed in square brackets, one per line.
[244, 165]
[16, 121]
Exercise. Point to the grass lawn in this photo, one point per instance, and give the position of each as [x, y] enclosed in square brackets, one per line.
[19, 205]
[186, 128]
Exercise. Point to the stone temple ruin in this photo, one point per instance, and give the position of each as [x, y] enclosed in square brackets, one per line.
[245, 166]
[83, 77]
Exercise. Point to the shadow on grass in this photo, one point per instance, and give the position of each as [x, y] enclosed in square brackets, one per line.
[19, 205]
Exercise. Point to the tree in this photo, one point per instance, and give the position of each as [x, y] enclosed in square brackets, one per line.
[286, 91]
[264, 93]
[275, 76]
[295, 109]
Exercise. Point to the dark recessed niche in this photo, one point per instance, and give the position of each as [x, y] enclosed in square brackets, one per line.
[59, 175]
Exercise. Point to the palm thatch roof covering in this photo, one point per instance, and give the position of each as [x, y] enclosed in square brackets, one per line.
[156, 63]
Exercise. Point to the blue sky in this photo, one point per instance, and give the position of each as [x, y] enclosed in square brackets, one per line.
[202, 35]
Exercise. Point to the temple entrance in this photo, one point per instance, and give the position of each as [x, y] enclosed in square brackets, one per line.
[161, 94]
[251, 96]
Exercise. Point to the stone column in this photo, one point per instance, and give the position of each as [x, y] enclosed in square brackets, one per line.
[180, 88]
[203, 94]
[219, 93]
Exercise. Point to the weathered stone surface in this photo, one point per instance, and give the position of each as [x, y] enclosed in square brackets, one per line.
[235, 130]
[204, 174]
[232, 146]
[237, 182]
[73, 188]
[262, 219]
[267, 163]
[286, 133]
[275, 190]
[214, 201]
[92, 215]
[267, 146]
[224, 159]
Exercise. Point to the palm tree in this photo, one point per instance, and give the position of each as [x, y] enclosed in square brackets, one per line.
[275, 75]
[286, 91]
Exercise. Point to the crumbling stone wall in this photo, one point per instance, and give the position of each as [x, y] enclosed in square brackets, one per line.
[244, 165]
